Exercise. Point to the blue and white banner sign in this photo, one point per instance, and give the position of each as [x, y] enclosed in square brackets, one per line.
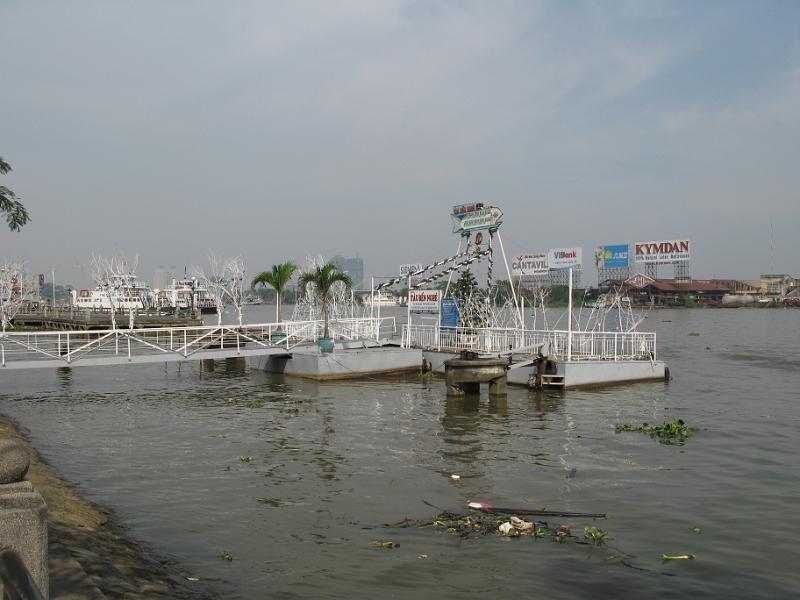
[612, 257]
[472, 217]
[449, 316]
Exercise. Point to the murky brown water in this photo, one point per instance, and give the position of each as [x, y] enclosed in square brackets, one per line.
[332, 462]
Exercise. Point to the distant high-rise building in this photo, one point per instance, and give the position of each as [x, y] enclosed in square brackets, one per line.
[352, 266]
[163, 277]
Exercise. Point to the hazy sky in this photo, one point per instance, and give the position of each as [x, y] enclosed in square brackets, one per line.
[284, 129]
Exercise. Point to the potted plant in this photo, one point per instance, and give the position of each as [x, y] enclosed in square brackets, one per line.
[322, 278]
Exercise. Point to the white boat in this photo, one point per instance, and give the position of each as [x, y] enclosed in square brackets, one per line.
[186, 294]
[253, 301]
[124, 292]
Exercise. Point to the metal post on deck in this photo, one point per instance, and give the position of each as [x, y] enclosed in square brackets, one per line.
[508, 272]
[569, 319]
[185, 346]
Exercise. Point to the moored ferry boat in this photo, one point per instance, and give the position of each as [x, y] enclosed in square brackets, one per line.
[186, 294]
[123, 293]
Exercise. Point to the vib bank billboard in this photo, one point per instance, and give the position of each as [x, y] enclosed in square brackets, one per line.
[612, 257]
[564, 258]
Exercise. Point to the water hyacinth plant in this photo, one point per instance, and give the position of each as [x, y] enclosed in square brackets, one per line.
[675, 432]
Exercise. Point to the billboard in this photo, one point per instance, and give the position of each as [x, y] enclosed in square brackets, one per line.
[612, 257]
[564, 258]
[666, 251]
[407, 269]
[449, 315]
[529, 264]
[472, 217]
[424, 301]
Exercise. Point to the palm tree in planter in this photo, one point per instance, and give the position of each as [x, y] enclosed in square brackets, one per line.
[323, 277]
[278, 278]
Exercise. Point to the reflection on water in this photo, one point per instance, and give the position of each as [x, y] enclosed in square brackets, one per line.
[64, 376]
[295, 478]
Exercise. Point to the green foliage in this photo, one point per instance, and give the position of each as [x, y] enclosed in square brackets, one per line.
[689, 302]
[225, 555]
[674, 433]
[254, 404]
[464, 286]
[594, 534]
[322, 278]
[277, 278]
[246, 459]
[16, 213]
[384, 545]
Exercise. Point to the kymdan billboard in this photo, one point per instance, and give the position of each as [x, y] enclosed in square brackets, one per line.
[564, 258]
[612, 257]
[666, 251]
[529, 264]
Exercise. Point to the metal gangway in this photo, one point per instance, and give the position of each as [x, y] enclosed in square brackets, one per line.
[48, 349]
[558, 344]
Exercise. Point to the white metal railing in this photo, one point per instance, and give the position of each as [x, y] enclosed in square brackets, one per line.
[586, 345]
[70, 347]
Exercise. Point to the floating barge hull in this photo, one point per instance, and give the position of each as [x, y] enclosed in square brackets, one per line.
[343, 363]
[572, 374]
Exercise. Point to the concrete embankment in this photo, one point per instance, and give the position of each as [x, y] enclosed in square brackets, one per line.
[91, 556]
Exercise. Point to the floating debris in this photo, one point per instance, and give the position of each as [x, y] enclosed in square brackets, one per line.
[694, 334]
[480, 524]
[455, 477]
[667, 433]
[486, 507]
[246, 459]
[697, 530]
[225, 555]
[668, 557]
[254, 404]
[384, 545]
[273, 502]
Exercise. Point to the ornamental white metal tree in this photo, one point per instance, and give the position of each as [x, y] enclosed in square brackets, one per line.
[115, 277]
[235, 291]
[14, 290]
[224, 282]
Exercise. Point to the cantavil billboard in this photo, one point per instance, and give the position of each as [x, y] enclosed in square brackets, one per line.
[529, 264]
[666, 251]
[612, 257]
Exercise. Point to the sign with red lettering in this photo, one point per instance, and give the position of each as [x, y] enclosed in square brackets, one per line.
[564, 258]
[666, 251]
[424, 301]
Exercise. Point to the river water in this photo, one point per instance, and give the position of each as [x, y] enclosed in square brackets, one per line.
[332, 462]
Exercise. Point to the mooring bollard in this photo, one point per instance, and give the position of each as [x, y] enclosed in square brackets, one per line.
[23, 514]
[464, 375]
